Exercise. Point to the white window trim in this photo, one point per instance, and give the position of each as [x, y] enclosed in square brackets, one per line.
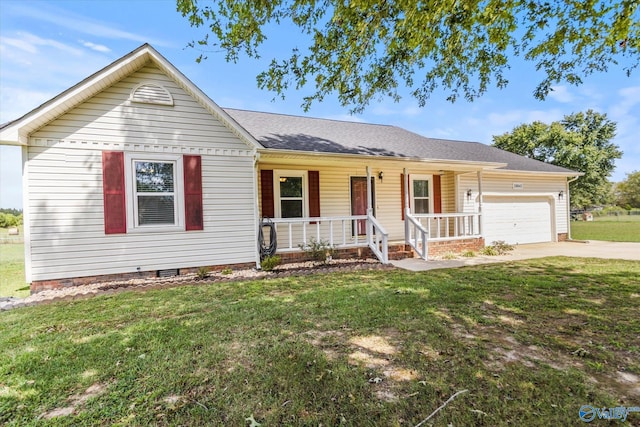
[129, 174]
[411, 192]
[277, 174]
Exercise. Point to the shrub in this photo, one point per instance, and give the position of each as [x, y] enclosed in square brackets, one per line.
[499, 247]
[226, 271]
[318, 250]
[502, 247]
[449, 255]
[468, 254]
[270, 262]
[610, 211]
[488, 250]
[202, 273]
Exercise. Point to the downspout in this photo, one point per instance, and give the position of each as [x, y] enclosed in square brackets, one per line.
[568, 207]
[26, 214]
[256, 212]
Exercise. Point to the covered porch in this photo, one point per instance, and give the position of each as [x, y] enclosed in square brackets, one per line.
[375, 205]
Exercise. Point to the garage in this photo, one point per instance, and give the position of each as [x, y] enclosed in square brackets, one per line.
[517, 219]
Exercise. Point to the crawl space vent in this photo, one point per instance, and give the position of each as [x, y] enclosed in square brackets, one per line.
[168, 273]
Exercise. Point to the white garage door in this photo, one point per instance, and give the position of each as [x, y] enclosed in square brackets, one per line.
[517, 220]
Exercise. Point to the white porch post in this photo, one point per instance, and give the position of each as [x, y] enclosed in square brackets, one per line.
[369, 207]
[405, 174]
[481, 222]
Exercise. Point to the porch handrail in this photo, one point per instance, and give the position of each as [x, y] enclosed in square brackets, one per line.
[449, 226]
[337, 238]
[415, 234]
[378, 239]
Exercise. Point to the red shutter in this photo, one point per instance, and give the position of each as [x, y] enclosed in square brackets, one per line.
[314, 194]
[193, 193]
[266, 184]
[115, 209]
[437, 195]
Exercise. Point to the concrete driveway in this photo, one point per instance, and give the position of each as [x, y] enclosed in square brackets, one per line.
[583, 249]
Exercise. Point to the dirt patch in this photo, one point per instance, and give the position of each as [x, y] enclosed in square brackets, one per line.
[76, 401]
[374, 344]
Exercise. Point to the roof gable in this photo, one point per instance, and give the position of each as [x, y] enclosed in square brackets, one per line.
[17, 131]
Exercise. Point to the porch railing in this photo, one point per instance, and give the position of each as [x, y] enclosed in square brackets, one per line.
[338, 232]
[416, 235]
[450, 226]
[378, 239]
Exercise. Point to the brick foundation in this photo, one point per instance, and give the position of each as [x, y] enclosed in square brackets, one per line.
[455, 246]
[399, 251]
[396, 251]
[563, 237]
[45, 285]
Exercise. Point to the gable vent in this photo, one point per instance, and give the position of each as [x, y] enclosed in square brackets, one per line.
[149, 93]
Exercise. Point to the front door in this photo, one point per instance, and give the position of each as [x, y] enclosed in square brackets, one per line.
[359, 202]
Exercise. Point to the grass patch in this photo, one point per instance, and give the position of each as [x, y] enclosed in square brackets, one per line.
[365, 349]
[625, 228]
[12, 280]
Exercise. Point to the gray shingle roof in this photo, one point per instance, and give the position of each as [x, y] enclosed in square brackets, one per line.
[306, 134]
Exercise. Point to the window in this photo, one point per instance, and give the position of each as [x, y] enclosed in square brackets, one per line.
[155, 195]
[290, 189]
[421, 195]
[155, 201]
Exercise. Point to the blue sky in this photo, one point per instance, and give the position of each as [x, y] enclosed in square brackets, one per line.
[48, 46]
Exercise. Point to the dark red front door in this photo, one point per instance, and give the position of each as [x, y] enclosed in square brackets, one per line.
[359, 201]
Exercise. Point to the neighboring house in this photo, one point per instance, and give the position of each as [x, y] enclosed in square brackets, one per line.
[135, 170]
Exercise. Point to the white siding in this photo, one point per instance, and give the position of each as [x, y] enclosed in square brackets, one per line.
[503, 185]
[65, 186]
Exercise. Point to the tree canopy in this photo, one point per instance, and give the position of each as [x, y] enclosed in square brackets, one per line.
[581, 142]
[628, 191]
[364, 50]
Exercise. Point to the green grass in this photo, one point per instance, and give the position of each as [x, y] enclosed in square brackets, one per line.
[12, 280]
[531, 341]
[624, 228]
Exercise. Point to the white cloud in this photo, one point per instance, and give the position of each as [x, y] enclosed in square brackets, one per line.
[16, 102]
[31, 43]
[46, 12]
[629, 97]
[10, 177]
[96, 47]
[561, 94]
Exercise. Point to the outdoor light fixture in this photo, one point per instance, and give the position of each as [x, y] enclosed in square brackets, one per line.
[380, 175]
[561, 194]
[469, 194]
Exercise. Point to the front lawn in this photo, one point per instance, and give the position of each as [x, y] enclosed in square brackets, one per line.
[531, 342]
[624, 228]
[12, 281]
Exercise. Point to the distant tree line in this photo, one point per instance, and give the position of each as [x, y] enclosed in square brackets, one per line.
[627, 192]
[10, 217]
